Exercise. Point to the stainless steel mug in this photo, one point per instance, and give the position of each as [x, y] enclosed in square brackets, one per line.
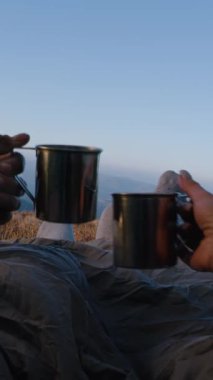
[144, 230]
[66, 183]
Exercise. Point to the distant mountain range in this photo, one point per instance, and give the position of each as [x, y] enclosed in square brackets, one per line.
[107, 185]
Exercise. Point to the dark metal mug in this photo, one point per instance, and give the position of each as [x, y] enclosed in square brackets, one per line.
[66, 183]
[144, 230]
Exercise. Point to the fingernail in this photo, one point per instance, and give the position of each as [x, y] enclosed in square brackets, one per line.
[183, 177]
[20, 137]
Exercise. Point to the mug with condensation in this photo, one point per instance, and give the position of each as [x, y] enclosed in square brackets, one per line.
[144, 230]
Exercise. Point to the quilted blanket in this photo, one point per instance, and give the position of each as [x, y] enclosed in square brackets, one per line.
[67, 313]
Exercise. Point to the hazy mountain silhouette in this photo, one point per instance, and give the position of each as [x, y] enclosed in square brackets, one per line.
[107, 185]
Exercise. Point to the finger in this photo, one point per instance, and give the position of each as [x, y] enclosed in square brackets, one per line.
[184, 229]
[186, 236]
[190, 234]
[7, 143]
[20, 140]
[202, 259]
[9, 185]
[185, 210]
[183, 252]
[13, 164]
[9, 202]
[192, 188]
[5, 217]
[185, 173]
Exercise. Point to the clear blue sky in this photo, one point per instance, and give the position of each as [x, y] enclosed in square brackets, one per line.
[132, 77]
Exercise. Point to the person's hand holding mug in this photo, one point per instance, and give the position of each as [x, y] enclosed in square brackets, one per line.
[11, 164]
[199, 211]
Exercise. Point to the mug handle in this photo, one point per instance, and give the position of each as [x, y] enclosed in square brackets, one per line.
[24, 187]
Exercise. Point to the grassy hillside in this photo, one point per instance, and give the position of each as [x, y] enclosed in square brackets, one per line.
[25, 225]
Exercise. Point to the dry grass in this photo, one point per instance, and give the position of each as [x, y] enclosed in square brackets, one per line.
[25, 225]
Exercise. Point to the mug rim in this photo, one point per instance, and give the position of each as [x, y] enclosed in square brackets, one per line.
[68, 148]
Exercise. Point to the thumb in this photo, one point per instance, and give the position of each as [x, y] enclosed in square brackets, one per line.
[20, 140]
[192, 188]
[7, 143]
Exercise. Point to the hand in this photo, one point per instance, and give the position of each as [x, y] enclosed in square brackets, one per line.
[201, 211]
[11, 164]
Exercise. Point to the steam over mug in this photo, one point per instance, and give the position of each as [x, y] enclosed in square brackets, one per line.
[66, 183]
[144, 230]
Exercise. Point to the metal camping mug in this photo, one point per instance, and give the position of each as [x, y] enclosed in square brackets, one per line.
[66, 183]
[144, 230]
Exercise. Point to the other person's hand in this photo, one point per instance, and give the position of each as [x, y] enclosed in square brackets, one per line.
[11, 164]
[200, 212]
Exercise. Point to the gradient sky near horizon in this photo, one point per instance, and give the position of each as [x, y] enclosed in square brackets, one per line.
[132, 77]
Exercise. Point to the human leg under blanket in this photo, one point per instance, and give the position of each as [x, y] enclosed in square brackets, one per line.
[50, 328]
[56, 231]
